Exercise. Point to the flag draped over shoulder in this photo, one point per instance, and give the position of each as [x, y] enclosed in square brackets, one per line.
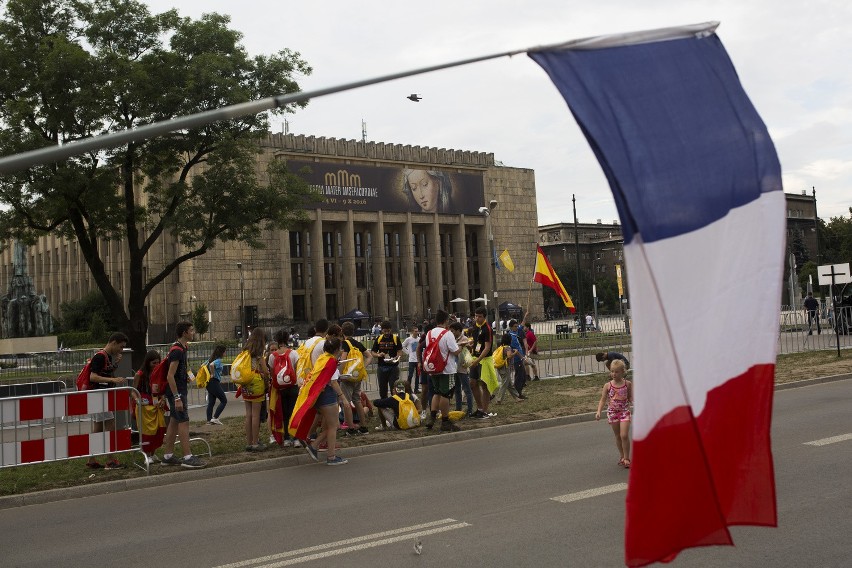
[697, 184]
[276, 415]
[544, 274]
[304, 411]
[153, 428]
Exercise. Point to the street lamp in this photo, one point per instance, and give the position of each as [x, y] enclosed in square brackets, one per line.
[487, 212]
[242, 304]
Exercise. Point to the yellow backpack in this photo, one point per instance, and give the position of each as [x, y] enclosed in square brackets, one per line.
[408, 415]
[355, 368]
[303, 365]
[202, 377]
[499, 357]
[241, 371]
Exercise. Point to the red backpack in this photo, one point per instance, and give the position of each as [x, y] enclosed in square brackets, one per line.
[83, 383]
[158, 380]
[283, 370]
[433, 361]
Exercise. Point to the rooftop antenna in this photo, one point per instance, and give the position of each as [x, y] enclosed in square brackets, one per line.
[363, 131]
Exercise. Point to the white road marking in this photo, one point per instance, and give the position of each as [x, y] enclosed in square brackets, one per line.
[590, 493]
[832, 440]
[415, 529]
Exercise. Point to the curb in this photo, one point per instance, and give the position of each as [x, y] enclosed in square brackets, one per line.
[119, 486]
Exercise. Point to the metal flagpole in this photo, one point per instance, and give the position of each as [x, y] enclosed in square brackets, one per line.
[51, 154]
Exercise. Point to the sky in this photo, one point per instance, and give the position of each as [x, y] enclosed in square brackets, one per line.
[793, 58]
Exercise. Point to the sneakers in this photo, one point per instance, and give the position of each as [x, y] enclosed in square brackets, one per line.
[152, 459]
[336, 460]
[351, 432]
[430, 422]
[288, 443]
[255, 448]
[171, 460]
[447, 426]
[215, 421]
[363, 430]
[272, 440]
[324, 447]
[297, 443]
[535, 378]
[192, 462]
[311, 451]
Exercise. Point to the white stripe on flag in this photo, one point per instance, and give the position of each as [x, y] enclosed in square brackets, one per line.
[700, 312]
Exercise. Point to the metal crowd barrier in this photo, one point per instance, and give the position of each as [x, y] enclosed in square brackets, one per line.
[52, 427]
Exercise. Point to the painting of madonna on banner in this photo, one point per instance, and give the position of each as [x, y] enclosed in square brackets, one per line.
[366, 188]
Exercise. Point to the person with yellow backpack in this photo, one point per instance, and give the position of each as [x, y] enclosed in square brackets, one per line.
[502, 362]
[400, 411]
[353, 375]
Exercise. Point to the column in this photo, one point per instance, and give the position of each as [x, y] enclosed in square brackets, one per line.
[317, 305]
[460, 263]
[350, 298]
[379, 281]
[409, 304]
[436, 286]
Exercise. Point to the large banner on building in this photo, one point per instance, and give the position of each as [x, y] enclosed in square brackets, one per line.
[368, 188]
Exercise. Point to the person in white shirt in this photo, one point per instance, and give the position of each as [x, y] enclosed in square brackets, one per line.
[442, 383]
[410, 346]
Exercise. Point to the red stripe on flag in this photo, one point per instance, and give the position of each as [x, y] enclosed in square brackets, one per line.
[77, 404]
[32, 451]
[721, 462]
[78, 445]
[31, 409]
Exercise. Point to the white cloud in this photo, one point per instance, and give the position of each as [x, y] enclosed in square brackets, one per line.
[791, 57]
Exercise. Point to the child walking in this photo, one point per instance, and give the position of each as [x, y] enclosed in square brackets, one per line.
[619, 392]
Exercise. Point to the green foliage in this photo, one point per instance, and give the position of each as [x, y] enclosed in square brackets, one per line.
[199, 319]
[98, 328]
[808, 269]
[72, 69]
[74, 338]
[77, 314]
[836, 240]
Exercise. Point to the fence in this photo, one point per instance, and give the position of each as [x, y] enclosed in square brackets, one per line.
[52, 427]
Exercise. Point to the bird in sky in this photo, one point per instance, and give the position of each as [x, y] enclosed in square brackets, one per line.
[414, 97]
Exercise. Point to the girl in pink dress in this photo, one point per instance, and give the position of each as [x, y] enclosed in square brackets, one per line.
[619, 392]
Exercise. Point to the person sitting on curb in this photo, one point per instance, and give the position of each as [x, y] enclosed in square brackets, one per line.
[389, 407]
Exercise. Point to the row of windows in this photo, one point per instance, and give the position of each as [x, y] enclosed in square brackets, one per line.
[300, 244]
[300, 274]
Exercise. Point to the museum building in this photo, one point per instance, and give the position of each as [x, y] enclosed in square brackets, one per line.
[401, 232]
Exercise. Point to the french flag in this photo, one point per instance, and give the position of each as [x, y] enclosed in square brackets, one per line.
[697, 184]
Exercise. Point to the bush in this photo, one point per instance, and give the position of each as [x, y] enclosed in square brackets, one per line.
[74, 338]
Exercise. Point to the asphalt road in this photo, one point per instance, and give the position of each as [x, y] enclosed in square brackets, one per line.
[484, 502]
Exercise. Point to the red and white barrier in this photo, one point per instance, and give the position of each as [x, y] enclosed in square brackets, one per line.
[35, 415]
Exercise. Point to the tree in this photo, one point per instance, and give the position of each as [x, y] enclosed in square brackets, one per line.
[199, 319]
[77, 314]
[836, 240]
[73, 69]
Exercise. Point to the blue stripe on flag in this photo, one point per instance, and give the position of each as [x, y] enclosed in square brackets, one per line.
[677, 137]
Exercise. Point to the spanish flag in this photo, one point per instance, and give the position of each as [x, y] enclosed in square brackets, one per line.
[304, 411]
[544, 274]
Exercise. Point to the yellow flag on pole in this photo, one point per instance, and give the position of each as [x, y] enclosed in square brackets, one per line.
[506, 261]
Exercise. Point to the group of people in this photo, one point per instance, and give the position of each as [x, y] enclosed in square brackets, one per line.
[308, 394]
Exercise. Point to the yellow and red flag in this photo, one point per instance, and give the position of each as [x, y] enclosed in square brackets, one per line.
[304, 411]
[544, 274]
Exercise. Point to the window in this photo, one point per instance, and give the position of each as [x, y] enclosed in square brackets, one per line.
[339, 245]
[396, 245]
[331, 305]
[389, 273]
[297, 280]
[307, 244]
[299, 307]
[329, 275]
[360, 275]
[328, 245]
[417, 274]
[295, 244]
[387, 245]
[415, 250]
[359, 245]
